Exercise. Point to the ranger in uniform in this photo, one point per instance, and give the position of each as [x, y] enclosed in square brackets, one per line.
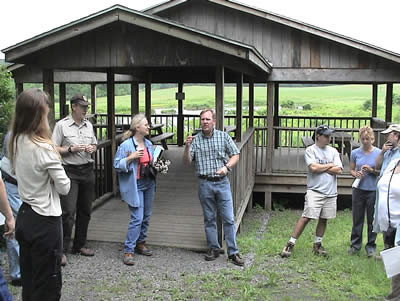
[76, 143]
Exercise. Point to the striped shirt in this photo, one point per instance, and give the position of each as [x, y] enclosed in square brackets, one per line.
[212, 153]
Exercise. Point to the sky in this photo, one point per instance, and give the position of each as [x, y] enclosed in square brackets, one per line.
[369, 21]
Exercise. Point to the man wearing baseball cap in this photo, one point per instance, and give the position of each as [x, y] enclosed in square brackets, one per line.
[390, 150]
[76, 142]
[324, 165]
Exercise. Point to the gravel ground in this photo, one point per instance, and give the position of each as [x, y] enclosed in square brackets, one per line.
[105, 277]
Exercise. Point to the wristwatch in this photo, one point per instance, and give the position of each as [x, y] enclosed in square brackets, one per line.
[70, 149]
[228, 168]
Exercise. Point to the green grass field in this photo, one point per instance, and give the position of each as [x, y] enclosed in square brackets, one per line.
[342, 100]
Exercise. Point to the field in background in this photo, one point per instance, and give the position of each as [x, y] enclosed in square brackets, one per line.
[342, 100]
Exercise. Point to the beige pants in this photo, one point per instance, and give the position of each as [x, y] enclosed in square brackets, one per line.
[318, 205]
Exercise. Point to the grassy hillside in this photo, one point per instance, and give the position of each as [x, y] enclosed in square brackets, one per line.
[342, 100]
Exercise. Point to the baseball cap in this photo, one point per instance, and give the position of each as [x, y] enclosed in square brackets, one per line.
[323, 130]
[392, 128]
[79, 99]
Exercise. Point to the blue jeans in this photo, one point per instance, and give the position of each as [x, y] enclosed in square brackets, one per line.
[213, 196]
[12, 244]
[140, 216]
[4, 292]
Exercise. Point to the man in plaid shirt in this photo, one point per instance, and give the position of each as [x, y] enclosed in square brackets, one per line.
[215, 154]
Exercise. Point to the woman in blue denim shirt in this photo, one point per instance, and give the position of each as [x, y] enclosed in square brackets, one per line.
[136, 186]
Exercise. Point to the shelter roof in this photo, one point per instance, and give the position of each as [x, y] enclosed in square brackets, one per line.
[141, 19]
[317, 31]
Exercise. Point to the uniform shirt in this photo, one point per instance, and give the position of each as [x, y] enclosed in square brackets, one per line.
[67, 132]
[322, 182]
[40, 176]
[360, 158]
[211, 153]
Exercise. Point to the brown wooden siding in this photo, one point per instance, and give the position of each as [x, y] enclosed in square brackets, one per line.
[283, 46]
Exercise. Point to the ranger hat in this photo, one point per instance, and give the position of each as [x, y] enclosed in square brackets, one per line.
[392, 128]
[323, 130]
[79, 99]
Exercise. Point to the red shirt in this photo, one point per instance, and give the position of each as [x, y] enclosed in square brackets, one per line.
[143, 161]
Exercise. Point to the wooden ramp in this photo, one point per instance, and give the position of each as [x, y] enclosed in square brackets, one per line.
[177, 219]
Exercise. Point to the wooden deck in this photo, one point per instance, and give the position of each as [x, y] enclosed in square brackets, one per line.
[177, 219]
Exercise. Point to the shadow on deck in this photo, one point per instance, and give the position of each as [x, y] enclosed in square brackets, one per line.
[177, 218]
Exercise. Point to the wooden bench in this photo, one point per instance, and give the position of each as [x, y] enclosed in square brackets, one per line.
[163, 138]
[355, 144]
[307, 141]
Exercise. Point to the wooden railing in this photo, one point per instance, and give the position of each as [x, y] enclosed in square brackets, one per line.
[289, 156]
[242, 176]
[103, 166]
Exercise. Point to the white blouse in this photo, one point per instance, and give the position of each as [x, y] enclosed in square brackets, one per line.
[394, 201]
[40, 176]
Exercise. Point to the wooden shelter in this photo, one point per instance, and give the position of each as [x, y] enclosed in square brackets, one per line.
[211, 41]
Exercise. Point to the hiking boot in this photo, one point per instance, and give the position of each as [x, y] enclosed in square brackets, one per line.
[370, 252]
[128, 259]
[236, 259]
[142, 249]
[212, 254]
[84, 251]
[318, 249]
[353, 251]
[287, 250]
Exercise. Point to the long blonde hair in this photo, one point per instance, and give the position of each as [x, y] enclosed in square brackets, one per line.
[135, 122]
[30, 119]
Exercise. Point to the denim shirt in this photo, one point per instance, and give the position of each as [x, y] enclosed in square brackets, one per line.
[127, 173]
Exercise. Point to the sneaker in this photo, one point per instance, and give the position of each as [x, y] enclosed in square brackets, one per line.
[236, 259]
[352, 251]
[212, 254]
[63, 260]
[128, 259]
[287, 250]
[318, 249]
[83, 251]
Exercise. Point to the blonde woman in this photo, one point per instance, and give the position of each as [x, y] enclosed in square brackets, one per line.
[362, 167]
[136, 184]
[41, 178]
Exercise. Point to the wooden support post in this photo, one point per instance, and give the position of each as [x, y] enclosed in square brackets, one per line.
[239, 105]
[134, 98]
[48, 87]
[389, 102]
[62, 99]
[111, 124]
[148, 98]
[93, 98]
[268, 200]
[180, 96]
[276, 114]
[19, 88]
[270, 125]
[251, 103]
[219, 97]
[374, 112]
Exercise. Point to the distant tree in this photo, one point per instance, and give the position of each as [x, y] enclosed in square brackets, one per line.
[396, 99]
[7, 100]
[307, 107]
[287, 104]
[367, 105]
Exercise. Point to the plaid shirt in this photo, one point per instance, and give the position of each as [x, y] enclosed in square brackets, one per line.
[211, 153]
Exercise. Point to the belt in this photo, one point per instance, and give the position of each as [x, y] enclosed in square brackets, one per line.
[212, 179]
[6, 177]
[79, 167]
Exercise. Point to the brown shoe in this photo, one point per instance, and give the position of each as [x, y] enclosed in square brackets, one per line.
[236, 259]
[83, 251]
[128, 259]
[318, 249]
[142, 249]
[212, 254]
[63, 260]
